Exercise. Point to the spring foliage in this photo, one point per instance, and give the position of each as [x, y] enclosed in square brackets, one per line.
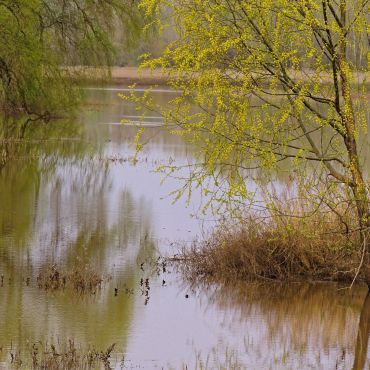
[269, 84]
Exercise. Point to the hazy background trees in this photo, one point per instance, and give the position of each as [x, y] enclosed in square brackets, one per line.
[38, 37]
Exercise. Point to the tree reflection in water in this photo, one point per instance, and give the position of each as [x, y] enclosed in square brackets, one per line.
[363, 336]
[301, 325]
[58, 205]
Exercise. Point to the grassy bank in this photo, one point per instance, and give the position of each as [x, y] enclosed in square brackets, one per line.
[318, 246]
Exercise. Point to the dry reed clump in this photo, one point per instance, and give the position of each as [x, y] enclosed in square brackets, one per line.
[62, 357]
[81, 278]
[279, 247]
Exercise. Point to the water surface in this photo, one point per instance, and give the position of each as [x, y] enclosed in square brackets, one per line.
[81, 198]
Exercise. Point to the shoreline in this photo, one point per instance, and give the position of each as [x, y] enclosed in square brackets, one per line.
[121, 76]
[134, 75]
[147, 77]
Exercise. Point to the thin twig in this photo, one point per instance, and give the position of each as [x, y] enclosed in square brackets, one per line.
[362, 259]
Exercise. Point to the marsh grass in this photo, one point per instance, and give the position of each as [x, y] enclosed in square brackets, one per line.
[61, 356]
[81, 278]
[312, 244]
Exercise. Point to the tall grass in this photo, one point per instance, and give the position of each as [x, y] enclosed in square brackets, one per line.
[289, 241]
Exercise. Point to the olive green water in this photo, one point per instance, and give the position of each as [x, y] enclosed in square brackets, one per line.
[80, 197]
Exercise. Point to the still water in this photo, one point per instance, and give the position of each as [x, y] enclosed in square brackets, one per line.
[74, 194]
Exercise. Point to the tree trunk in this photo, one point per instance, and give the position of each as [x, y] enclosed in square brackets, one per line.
[358, 184]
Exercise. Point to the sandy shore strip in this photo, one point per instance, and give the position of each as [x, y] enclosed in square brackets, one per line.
[125, 76]
[134, 75]
[145, 77]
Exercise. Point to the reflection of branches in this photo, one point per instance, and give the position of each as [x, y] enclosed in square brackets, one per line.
[75, 202]
[301, 317]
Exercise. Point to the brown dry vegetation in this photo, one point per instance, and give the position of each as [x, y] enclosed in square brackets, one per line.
[81, 278]
[64, 356]
[315, 246]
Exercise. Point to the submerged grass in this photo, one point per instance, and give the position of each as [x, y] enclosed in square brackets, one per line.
[80, 278]
[309, 245]
[65, 356]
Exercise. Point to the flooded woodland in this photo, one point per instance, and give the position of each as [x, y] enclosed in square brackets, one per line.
[184, 184]
[81, 201]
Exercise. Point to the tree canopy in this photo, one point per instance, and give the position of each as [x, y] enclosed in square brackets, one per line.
[271, 80]
[38, 37]
[269, 83]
